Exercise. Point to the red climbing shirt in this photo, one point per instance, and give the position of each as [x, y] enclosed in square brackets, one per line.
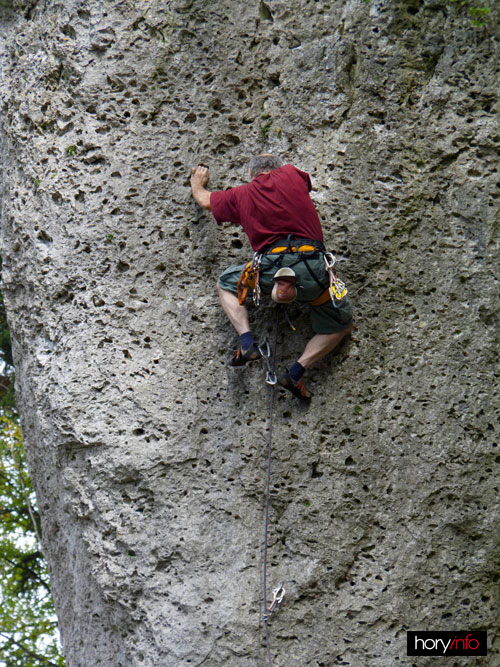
[270, 207]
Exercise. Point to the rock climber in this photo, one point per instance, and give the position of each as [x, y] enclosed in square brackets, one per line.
[280, 220]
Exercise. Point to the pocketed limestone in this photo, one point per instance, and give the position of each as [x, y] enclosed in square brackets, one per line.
[147, 451]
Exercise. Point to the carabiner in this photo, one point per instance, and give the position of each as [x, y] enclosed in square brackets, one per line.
[330, 260]
[338, 289]
[271, 377]
[255, 267]
[256, 291]
[278, 595]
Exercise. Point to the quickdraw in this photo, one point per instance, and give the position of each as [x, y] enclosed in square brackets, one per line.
[257, 259]
[337, 289]
[265, 350]
[278, 597]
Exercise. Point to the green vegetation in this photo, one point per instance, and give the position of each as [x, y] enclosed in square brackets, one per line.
[28, 626]
[28, 634]
[5, 344]
[265, 129]
[476, 12]
[71, 150]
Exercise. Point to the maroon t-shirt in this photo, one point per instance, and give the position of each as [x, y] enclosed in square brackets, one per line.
[270, 207]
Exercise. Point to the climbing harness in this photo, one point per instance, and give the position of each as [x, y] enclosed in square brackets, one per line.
[284, 290]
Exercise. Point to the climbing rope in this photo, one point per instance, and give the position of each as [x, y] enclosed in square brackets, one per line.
[269, 357]
[278, 593]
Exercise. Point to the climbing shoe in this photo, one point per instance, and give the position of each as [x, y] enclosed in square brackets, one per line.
[243, 357]
[297, 388]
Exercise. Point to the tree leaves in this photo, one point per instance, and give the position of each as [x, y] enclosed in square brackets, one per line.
[28, 625]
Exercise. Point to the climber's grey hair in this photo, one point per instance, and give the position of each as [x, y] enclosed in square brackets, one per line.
[264, 162]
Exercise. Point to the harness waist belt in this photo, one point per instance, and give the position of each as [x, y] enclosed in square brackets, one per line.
[300, 245]
[302, 248]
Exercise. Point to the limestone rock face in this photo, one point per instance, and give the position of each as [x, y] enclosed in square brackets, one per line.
[147, 451]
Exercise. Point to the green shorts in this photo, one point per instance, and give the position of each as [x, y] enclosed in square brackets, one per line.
[325, 319]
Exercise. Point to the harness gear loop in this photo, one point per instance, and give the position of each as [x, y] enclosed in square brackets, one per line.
[249, 278]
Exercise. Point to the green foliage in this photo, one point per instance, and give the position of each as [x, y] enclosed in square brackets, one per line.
[28, 626]
[265, 129]
[6, 362]
[71, 150]
[5, 343]
[477, 13]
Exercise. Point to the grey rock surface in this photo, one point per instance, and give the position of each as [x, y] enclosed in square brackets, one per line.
[147, 451]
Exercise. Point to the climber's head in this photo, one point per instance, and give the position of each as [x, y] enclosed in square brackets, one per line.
[263, 164]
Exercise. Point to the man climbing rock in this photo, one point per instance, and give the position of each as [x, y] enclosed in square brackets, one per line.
[282, 225]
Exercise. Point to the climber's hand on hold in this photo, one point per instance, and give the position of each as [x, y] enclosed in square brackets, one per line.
[199, 180]
[199, 176]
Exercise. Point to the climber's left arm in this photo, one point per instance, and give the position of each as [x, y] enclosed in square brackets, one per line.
[199, 181]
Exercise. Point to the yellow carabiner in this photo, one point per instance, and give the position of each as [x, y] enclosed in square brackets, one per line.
[338, 290]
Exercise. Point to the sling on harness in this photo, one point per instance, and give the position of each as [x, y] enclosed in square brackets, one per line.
[249, 278]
